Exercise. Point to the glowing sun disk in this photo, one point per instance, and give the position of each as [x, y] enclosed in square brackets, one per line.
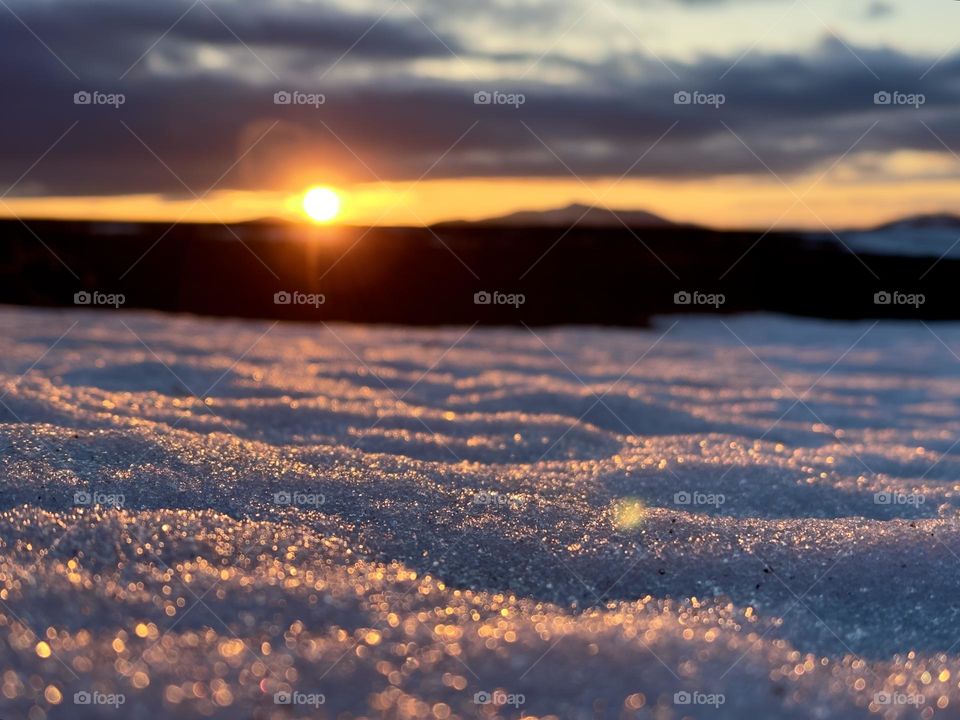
[321, 204]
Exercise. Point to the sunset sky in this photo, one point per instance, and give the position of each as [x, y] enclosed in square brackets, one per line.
[797, 141]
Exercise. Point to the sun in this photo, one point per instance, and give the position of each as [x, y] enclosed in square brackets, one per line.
[321, 204]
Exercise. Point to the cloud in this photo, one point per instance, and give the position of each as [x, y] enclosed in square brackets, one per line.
[879, 9]
[85, 32]
[201, 98]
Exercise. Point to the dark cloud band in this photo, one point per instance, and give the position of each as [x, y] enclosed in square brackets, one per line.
[198, 115]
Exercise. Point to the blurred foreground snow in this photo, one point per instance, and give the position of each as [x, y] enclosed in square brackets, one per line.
[710, 518]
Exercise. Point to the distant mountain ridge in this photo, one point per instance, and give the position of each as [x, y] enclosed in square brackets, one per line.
[937, 221]
[935, 235]
[590, 216]
[581, 215]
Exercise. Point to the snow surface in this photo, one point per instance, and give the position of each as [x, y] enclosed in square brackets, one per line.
[478, 511]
